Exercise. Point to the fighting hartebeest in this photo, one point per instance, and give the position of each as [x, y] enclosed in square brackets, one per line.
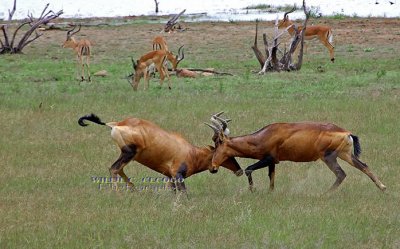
[165, 152]
[296, 142]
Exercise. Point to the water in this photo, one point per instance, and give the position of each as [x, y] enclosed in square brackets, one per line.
[217, 10]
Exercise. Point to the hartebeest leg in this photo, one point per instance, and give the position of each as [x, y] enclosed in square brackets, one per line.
[127, 154]
[180, 177]
[330, 159]
[266, 161]
[126, 179]
[354, 161]
[271, 174]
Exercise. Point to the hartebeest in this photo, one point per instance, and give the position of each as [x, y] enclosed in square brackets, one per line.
[165, 152]
[296, 142]
[322, 33]
[82, 49]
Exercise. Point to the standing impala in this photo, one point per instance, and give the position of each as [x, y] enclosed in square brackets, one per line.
[296, 142]
[82, 49]
[323, 33]
[159, 43]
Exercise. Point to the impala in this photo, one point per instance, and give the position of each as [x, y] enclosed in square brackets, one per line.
[159, 43]
[141, 68]
[155, 59]
[322, 33]
[296, 142]
[82, 49]
[165, 152]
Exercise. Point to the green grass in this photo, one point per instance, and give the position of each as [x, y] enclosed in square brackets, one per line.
[48, 199]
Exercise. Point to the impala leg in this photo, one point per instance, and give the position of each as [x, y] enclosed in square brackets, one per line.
[146, 79]
[88, 66]
[82, 68]
[127, 154]
[266, 161]
[358, 164]
[160, 69]
[169, 80]
[330, 159]
[330, 48]
[77, 67]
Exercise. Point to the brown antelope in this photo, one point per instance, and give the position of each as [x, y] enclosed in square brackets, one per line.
[141, 68]
[323, 33]
[176, 59]
[155, 59]
[159, 43]
[165, 152]
[296, 142]
[82, 49]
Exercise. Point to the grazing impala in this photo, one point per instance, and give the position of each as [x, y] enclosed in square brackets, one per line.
[82, 49]
[323, 33]
[176, 59]
[296, 142]
[165, 152]
[141, 67]
[155, 59]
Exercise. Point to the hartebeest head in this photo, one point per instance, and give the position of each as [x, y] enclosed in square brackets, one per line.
[221, 132]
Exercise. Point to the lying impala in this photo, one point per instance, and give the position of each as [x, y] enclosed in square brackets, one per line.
[323, 33]
[82, 49]
[165, 152]
[157, 59]
[296, 142]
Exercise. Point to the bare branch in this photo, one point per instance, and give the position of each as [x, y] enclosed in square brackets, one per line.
[8, 46]
[156, 2]
[11, 13]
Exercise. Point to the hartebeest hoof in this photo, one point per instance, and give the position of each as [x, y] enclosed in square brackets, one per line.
[239, 172]
[333, 60]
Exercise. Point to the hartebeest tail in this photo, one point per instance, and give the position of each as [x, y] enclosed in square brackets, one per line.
[296, 142]
[165, 152]
[90, 117]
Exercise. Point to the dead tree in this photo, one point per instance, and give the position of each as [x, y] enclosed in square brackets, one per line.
[171, 24]
[270, 62]
[9, 43]
[156, 2]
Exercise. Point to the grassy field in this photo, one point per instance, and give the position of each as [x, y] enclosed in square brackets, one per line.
[48, 199]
